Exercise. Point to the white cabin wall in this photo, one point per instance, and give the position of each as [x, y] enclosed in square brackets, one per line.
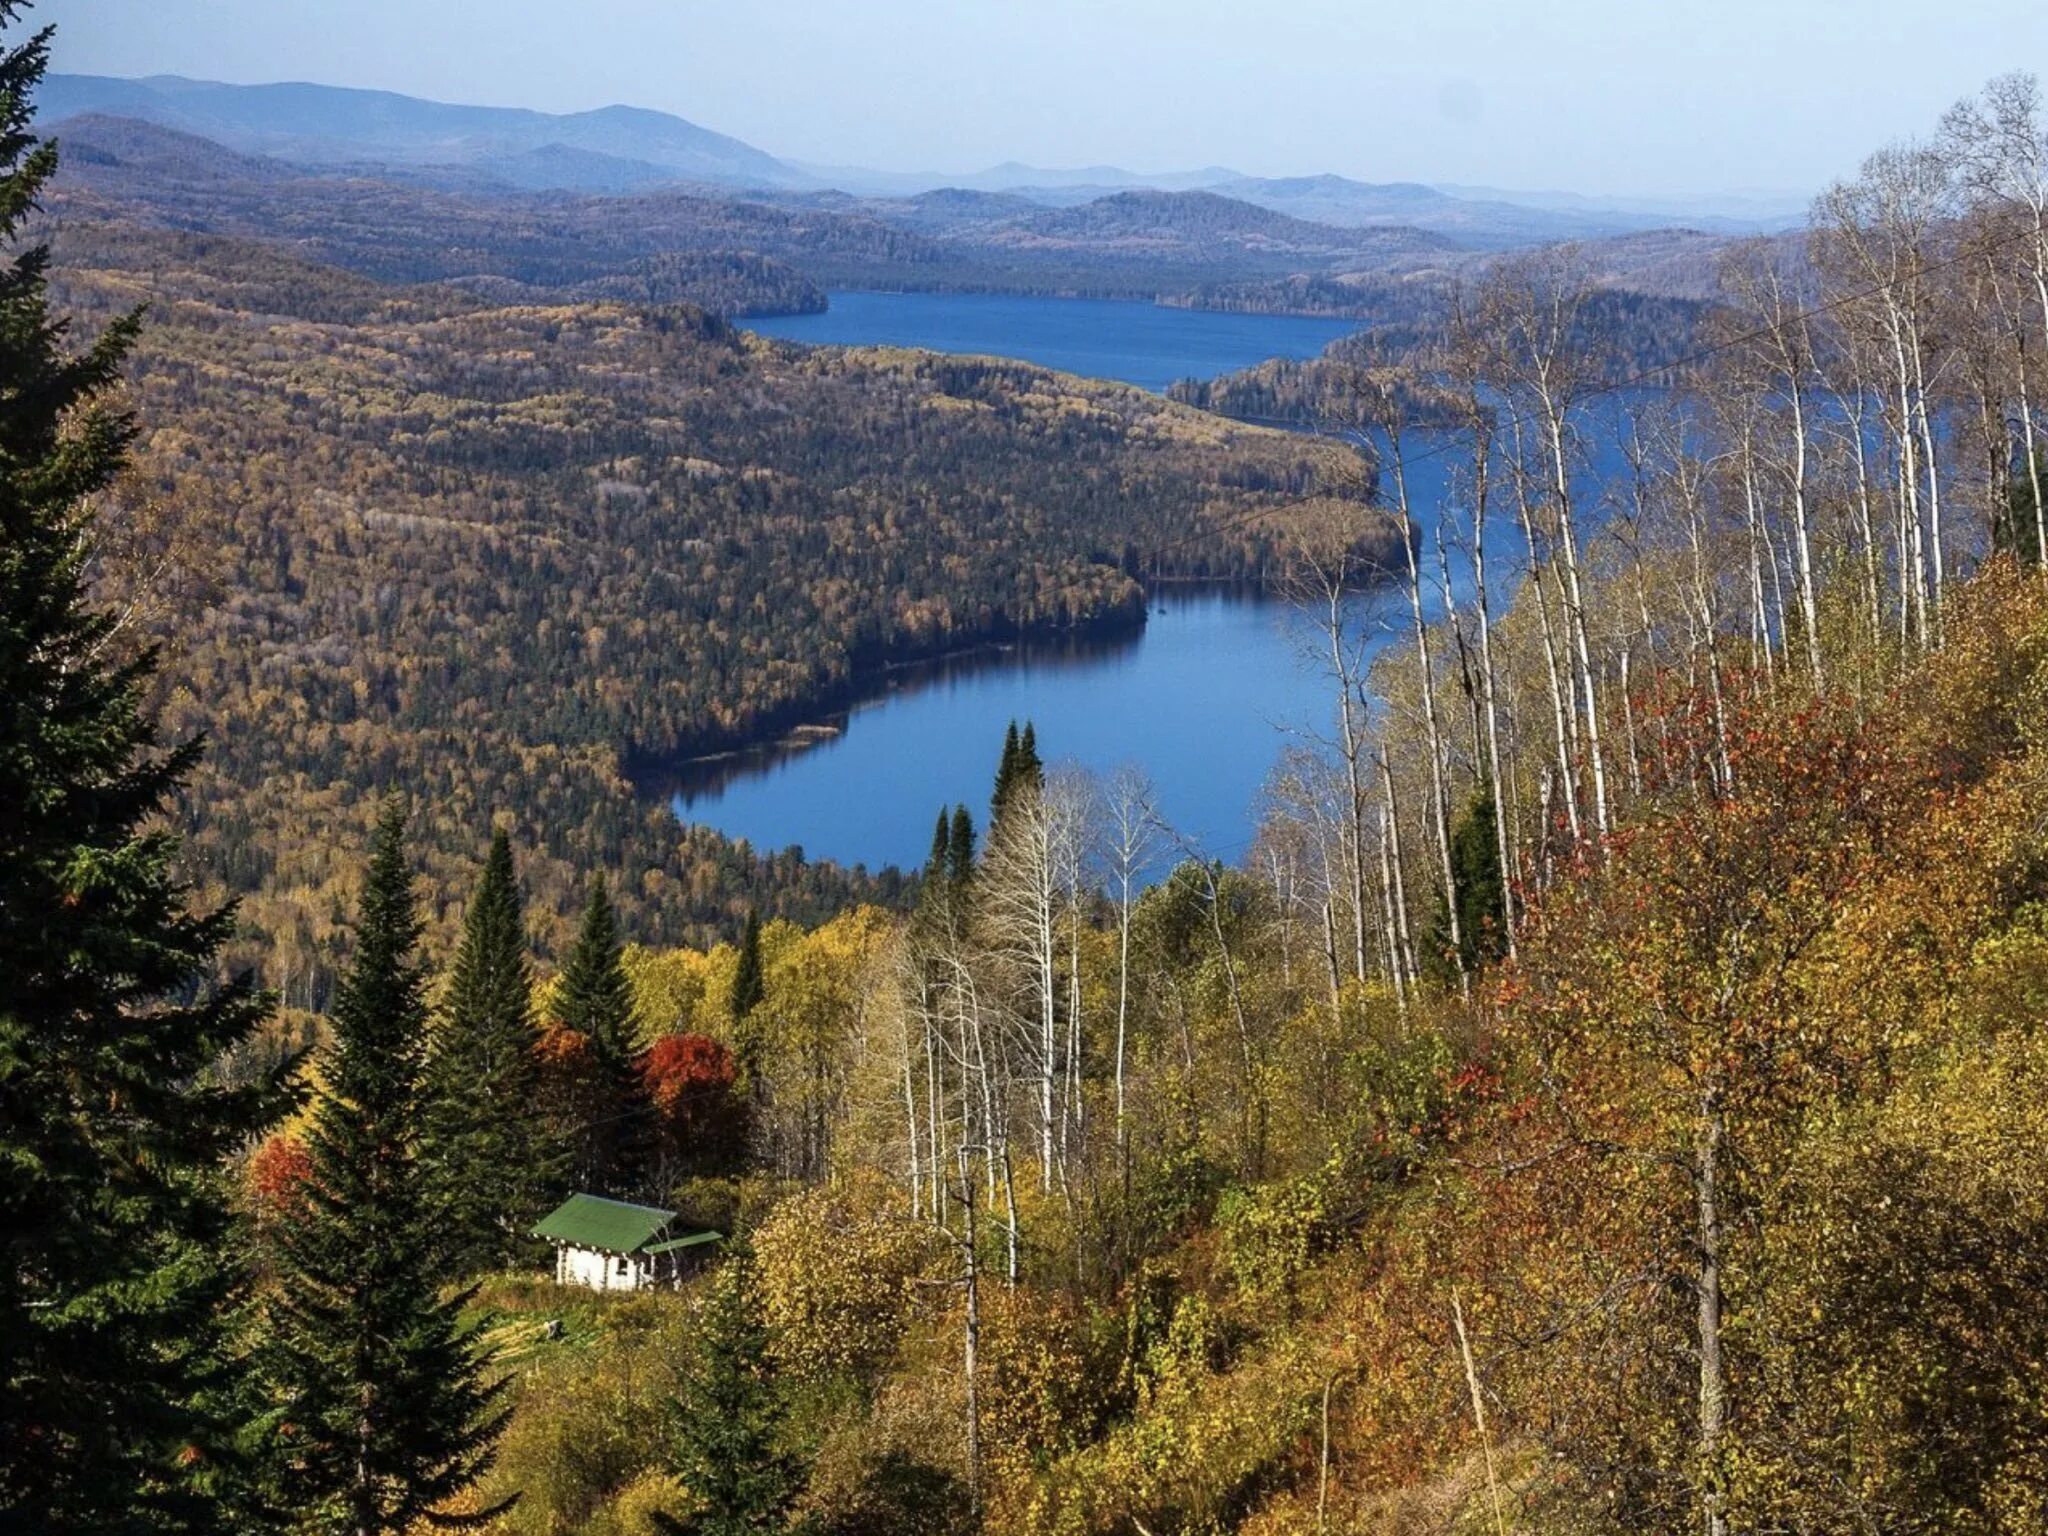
[597, 1271]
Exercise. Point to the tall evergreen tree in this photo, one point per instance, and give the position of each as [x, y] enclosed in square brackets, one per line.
[485, 1153]
[1018, 768]
[595, 999]
[1006, 774]
[385, 1409]
[960, 849]
[726, 1435]
[749, 985]
[1029, 769]
[113, 1131]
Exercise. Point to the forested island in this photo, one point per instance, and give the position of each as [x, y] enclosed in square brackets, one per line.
[1608, 1096]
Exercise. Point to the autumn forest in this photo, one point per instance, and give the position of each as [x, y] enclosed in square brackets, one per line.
[1607, 1095]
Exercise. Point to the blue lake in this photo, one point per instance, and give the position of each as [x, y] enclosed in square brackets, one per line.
[1143, 344]
[1205, 698]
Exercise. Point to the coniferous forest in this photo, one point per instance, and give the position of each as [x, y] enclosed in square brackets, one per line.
[1608, 1095]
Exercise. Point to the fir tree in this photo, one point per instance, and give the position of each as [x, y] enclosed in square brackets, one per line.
[113, 1128]
[1030, 770]
[726, 1435]
[594, 998]
[960, 847]
[1019, 767]
[1481, 894]
[749, 986]
[385, 1412]
[486, 1155]
[1006, 773]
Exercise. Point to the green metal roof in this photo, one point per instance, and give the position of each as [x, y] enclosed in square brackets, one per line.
[692, 1240]
[591, 1221]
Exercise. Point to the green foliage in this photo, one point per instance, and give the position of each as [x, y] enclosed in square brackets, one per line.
[114, 1269]
[593, 999]
[1271, 1233]
[726, 1422]
[488, 1164]
[583, 1447]
[960, 849]
[1480, 892]
[385, 1412]
[748, 987]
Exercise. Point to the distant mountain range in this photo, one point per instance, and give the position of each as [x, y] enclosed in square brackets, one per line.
[326, 125]
[617, 150]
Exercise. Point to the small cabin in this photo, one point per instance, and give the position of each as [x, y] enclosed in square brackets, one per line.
[611, 1245]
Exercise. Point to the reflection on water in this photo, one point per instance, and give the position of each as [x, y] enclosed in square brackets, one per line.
[1043, 659]
[1203, 699]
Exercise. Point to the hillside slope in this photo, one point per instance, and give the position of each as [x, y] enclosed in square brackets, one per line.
[499, 554]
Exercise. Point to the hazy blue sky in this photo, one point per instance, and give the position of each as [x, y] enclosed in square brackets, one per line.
[1592, 95]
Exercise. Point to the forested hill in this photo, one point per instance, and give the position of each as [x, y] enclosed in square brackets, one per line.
[423, 226]
[489, 555]
[1139, 221]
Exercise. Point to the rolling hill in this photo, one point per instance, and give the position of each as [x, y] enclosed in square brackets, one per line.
[330, 125]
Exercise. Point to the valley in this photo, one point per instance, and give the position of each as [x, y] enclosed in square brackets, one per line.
[706, 840]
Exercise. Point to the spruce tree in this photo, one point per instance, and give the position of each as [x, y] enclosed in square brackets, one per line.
[960, 851]
[488, 1161]
[1006, 774]
[1481, 894]
[726, 1422]
[1018, 768]
[384, 1407]
[1029, 769]
[595, 999]
[113, 1128]
[749, 986]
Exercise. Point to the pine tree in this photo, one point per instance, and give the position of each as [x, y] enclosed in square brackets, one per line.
[487, 1158]
[1029, 768]
[595, 999]
[385, 1412]
[726, 1434]
[113, 1128]
[1006, 774]
[960, 849]
[1481, 894]
[749, 986]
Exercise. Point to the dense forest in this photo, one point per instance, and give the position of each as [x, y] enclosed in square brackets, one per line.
[1609, 1097]
[508, 557]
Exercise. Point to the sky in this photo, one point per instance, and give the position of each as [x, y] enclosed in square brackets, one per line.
[1606, 97]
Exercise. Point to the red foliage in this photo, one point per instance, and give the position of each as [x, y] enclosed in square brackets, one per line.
[689, 1082]
[563, 1052]
[276, 1177]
